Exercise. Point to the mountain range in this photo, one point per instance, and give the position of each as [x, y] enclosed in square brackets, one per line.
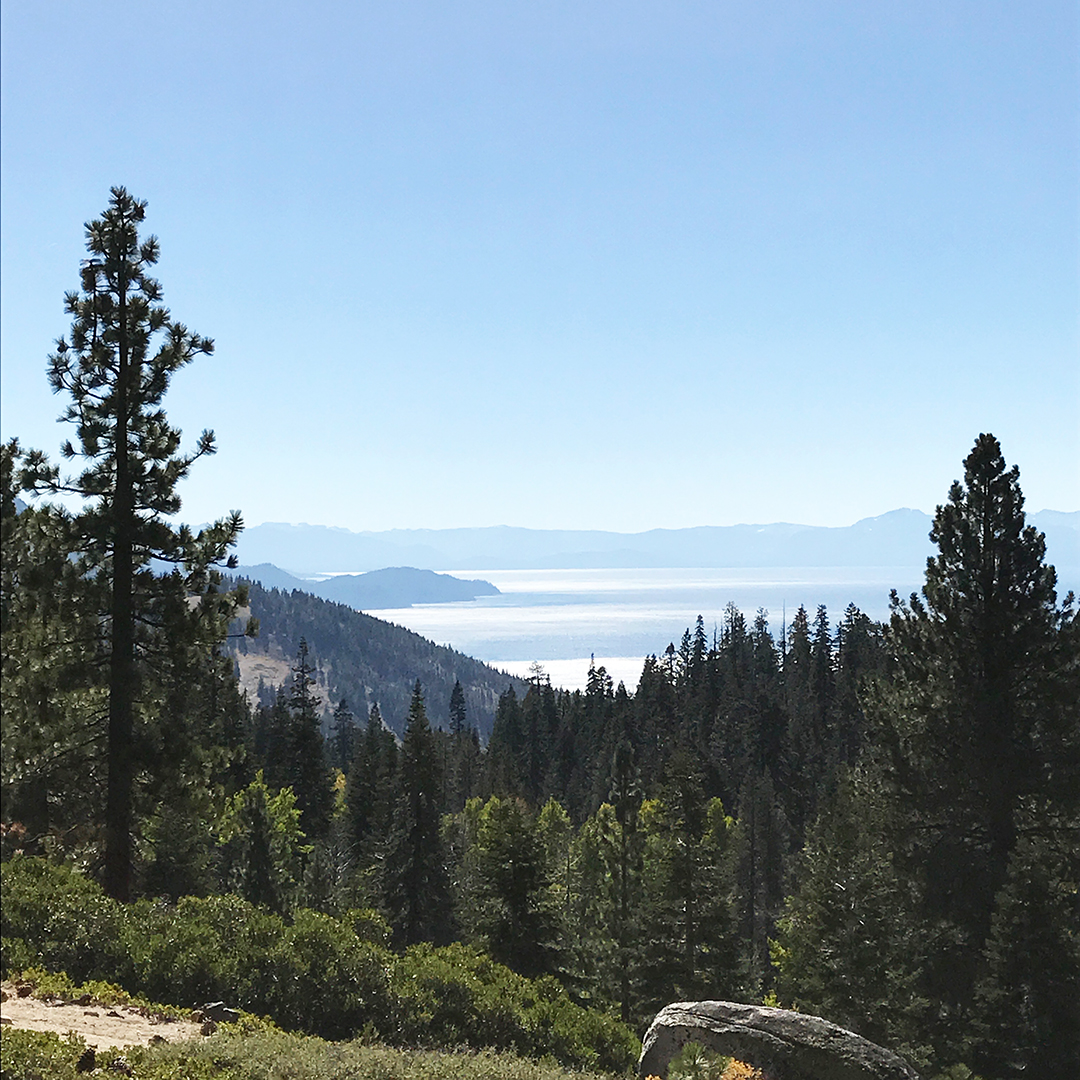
[898, 538]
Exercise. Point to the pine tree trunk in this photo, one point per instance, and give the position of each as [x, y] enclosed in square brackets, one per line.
[118, 806]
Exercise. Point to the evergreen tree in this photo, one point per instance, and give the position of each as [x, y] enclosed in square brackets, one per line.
[504, 764]
[687, 882]
[306, 771]
[628, 854]
[263, 845]
[860, 657]
[465, 754]
[823, 687]
[1028, 1000]
[53, 728]
[980, 715]
[515, 917]
[370, 793]
[182, 844]
[416, 885]
[849, 946]
[459, 721]
[343, 736]
[117, 377]
[761, 845]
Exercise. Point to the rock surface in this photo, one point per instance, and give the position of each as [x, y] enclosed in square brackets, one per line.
[216, 1012]
[785, 1045]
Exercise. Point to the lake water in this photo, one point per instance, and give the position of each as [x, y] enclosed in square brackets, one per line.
[559, 618]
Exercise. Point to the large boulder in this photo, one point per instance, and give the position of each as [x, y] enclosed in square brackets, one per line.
[784, 1045]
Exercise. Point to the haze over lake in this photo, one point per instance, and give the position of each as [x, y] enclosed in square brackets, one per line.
[560, 618]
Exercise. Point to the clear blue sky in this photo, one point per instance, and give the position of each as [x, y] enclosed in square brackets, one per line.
[584, 264]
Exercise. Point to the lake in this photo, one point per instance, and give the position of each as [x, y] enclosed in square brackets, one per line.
[559, 618]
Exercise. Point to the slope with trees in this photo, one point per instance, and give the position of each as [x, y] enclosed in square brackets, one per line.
[369, 661]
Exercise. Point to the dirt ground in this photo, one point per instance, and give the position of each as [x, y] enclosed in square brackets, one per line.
[101, 1026]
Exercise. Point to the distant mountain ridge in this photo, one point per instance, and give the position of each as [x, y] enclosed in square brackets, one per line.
[898, 538]
[393, 587]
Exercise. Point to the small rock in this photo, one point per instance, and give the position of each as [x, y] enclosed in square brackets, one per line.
[121, 1065]
[157, 1040]
[86, 999]
[90, 1012]
[3, 995]
[219, 1012]
[113, 1012]
[25, 990]
[87, 1062]
[5, 1019]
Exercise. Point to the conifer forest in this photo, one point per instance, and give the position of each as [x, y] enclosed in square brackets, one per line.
[875, 823]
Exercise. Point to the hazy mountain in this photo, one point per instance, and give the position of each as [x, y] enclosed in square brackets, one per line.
[394, 587]
[399, 586]
[272, 577]
[898, 538]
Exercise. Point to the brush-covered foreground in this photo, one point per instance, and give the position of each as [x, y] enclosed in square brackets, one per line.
[264, 1054]
[333, 978]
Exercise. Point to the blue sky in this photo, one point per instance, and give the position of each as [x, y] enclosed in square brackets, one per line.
[597, 265]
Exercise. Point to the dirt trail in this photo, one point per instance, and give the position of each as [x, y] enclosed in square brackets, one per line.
[101, 1026]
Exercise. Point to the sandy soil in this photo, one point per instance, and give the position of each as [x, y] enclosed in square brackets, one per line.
[101, 1026]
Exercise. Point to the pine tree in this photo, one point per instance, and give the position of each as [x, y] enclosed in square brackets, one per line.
[53, 722]
[761, 845]
[628, 853]
[458, 711]
[1028, 1004]
[343, 736]
[980, 715]
[117, 377]
[848, 945]
[465, 753]
[860, 656]
[504, 764]
[370, 802]
[416, 885]
[262, 845]
[306, 770]
[515, 916]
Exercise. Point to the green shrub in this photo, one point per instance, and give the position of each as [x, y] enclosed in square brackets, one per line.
[263, 1054]
[459, 996]
[325, 976]
[58, 919]
[34, 1055]
[175, 954]
[43, 1055]
[326, 980]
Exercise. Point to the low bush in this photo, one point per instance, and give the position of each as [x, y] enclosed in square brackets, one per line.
[261, 1054]
[317, 974]
[459, 996]
[54, 918]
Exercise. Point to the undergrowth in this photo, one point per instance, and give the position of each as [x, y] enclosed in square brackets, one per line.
[266, 1054]
[315, 974]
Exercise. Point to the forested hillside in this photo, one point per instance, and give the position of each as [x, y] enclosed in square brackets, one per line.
[364, 660]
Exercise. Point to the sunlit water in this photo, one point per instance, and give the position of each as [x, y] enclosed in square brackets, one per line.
[560, 618]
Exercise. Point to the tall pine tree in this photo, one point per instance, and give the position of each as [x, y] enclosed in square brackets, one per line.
[123, 350]
[980, 715]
